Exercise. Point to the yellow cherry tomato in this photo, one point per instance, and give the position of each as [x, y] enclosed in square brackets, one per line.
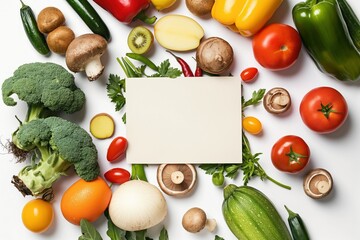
[37, 215]
[162, 4]
[252, 125]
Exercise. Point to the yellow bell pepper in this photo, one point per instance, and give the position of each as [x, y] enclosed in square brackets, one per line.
[244, 16]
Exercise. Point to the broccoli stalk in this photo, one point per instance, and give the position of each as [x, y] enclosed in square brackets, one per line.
[56, 144]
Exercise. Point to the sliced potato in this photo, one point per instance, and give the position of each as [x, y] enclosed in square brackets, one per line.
[178, 32]
[102, 126]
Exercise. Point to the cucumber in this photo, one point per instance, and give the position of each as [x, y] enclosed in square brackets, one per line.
[36, 38]
[91, 18]
[250, 215]
[352, 22]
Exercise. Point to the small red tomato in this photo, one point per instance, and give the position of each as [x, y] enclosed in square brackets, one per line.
[290, 154]
[249, 74]
[117, 175]
[117, 149]
[277, 46]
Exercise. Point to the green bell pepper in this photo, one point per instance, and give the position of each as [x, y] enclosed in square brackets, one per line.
[326, 38]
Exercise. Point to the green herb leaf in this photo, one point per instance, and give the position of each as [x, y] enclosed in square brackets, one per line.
[115, 91]
[89, 232]
[256, 97]
[165, 70]
[218, 238]
[113, 231]
[163, 234]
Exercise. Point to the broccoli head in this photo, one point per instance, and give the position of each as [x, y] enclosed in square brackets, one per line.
[47, 88]
[56, 144]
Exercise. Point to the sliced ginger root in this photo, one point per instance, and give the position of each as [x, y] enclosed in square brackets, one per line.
[102, 126]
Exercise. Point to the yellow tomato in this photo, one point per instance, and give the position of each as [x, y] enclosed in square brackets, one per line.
[37, 215]
[162, 4]
[252, 125]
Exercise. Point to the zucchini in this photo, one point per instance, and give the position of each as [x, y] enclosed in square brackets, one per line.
[91, 18]
[250, 215]
[352, 22]
[297, 226]
[36, 38]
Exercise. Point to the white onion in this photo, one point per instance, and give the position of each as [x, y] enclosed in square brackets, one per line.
[137, 205]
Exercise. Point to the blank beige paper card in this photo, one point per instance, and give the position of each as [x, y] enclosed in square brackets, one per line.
[183, 120]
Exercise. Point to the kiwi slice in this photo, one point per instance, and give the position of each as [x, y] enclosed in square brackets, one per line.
[140, 39]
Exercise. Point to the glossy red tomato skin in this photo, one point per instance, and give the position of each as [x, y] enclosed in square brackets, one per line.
[117, 175]
[117, 149]
[284, 147]
[277, 46]
[317, 120]
[249, 74]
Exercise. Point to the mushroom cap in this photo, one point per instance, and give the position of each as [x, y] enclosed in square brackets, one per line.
[318, 183]
[194, 220]
[277, 100]
[176, 179]
[83, 49]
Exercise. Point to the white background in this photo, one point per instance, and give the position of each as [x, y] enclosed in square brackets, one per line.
[336, 217]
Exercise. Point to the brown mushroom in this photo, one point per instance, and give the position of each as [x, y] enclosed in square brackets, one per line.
[214, 55]
[49, 19]
[318, 183]
[277, 100]
[84, 54]
[176, 179]
[59, 39]
[195, 220]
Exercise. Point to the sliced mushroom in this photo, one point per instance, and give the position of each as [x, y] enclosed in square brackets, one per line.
[318, 183]
[277, 100]
[195, 220]
[84, 54]
[176, 179]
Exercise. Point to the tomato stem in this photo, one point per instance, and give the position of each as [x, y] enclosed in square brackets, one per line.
[326, 109]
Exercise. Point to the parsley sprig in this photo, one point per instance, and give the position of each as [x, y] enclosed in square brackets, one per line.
[250, 165]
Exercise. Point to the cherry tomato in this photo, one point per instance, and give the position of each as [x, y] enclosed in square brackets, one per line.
[117, 175]
[252, 125]
[323, 109]
[37, 215]
[276, 46]
[290, 154]
[249, 74]
[117, 149]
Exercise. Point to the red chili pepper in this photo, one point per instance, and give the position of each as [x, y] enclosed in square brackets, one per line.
[184, 66]
[198, 72]
[127, 10]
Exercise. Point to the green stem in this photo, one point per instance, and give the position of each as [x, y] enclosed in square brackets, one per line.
[138, 172]
[277, 183]
[146, 19]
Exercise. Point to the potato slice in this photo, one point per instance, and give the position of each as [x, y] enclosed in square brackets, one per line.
[102, 126]
[178, 32]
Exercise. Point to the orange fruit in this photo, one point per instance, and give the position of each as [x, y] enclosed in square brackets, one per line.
[85, 200]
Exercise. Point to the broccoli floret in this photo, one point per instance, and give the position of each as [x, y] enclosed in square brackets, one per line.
[56, 144]
[47, 88]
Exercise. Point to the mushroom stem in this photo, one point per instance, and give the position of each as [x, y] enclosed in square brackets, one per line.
[177, 177]
[210, 225]
[94, 68]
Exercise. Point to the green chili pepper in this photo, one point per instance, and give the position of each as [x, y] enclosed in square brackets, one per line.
[144, 60]
[326, 38]
[297, 226]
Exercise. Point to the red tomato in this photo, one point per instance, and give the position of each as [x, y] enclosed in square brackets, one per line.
[249, 74]
[117, 175]
[276, 46]
[117, 149]
[290, 154]
[323, 109]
